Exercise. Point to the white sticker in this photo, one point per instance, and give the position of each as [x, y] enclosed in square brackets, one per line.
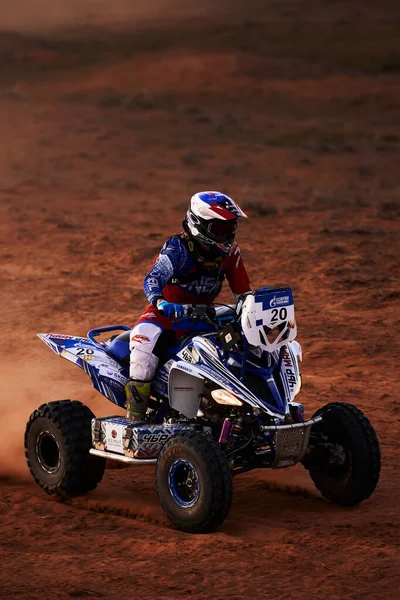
[105, 371]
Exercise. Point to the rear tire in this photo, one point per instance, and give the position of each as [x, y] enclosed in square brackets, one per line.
[344, 461]
[194, 482]
[57, 443]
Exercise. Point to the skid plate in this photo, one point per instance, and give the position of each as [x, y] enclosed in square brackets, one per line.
[291, 442]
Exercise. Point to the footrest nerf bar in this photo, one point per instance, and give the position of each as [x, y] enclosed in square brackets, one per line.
[124, 459]
[290, 442]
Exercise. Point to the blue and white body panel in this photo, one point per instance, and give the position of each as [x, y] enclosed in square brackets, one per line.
[107, 375]
[269, 388]
[203, 359]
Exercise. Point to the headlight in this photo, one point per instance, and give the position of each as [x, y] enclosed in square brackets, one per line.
[224, 397]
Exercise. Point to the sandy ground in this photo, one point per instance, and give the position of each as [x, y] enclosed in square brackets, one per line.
[109, 122]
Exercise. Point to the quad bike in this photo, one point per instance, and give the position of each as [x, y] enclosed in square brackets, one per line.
[222, 403]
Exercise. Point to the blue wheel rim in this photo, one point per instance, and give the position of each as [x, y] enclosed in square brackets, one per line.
[183, 483]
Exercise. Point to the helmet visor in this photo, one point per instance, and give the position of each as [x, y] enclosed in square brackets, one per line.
[222, 231]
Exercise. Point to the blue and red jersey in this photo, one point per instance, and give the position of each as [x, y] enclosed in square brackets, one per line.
[181, 275]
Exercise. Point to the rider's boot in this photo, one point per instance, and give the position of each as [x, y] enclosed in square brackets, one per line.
[137, 399]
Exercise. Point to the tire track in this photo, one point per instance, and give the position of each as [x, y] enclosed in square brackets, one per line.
[290, 489]
[144, 514]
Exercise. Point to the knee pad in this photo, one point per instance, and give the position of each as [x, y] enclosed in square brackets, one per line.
[144, 335]
[143, 362]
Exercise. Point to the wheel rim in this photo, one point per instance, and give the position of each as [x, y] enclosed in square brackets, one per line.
[183, 483]
[48, 452]
[336, 457]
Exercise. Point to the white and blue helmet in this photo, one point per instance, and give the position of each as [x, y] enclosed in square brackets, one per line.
[212, 220]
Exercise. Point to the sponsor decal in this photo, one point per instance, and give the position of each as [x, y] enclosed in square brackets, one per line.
[212, 264]
[152, 283]
[140, 338]
[287, 361]
[79, 345]
[218, 377]
[279, 301]
[102, 362]
[60, 336]
[155, 438]
[112, 442]
[290, 375]
[186, 355]
[114, 431]
[115, 421]
[115, 384]
[203, 285]
[184, 368]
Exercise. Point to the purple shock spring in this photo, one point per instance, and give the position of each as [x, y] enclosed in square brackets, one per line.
[225, 431]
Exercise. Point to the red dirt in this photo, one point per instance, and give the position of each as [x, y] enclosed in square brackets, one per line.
[293, 109]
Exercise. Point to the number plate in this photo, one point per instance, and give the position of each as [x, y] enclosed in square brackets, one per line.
[274, 307]
[268, 318]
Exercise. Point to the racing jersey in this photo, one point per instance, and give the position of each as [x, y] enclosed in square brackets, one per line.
[181, 275]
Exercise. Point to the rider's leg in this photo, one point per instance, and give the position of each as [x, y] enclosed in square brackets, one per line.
[143, 365]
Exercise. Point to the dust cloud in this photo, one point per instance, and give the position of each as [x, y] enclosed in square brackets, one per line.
[27, 385]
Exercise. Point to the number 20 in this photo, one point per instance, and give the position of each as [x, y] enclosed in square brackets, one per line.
[282, 314]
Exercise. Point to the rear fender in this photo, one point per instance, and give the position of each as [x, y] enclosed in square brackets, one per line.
[107, 375]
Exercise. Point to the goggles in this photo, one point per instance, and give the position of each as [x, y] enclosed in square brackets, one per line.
[222, 231]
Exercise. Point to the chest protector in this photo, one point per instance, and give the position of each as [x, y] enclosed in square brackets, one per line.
[203, 267]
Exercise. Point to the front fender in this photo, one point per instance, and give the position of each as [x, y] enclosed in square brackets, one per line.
[184, 389]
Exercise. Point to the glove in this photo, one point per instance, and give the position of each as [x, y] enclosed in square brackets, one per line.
[170, 310]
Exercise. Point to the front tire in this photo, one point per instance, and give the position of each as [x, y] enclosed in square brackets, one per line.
[344, 458]
[194, 482]
[57, 443]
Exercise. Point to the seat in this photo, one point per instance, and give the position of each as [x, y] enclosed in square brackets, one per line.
[119, 348]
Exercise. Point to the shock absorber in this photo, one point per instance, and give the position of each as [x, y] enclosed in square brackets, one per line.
[236, 434]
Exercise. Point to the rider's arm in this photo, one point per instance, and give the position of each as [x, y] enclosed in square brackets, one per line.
[168, 264]
[236, 273]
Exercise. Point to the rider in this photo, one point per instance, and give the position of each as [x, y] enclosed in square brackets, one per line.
[190, 269]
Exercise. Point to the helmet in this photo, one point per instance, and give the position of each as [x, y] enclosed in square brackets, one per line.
[212, 220]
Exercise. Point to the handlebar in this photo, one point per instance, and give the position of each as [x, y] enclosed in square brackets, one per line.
[205, 316]
[199, 311]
